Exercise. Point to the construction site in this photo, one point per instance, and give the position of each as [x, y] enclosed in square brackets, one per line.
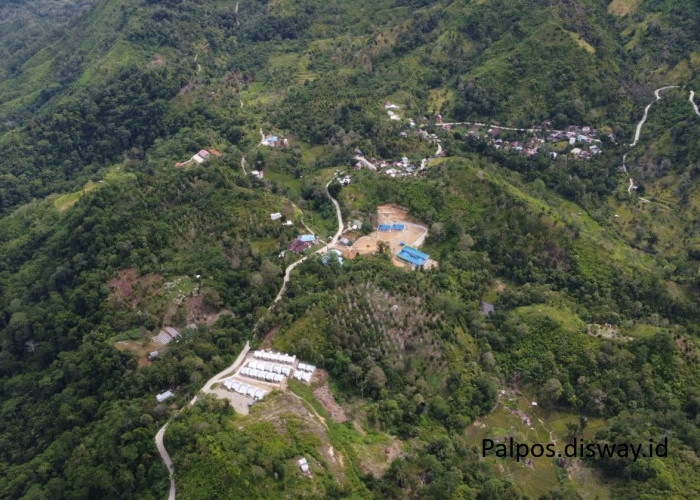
[396, 230]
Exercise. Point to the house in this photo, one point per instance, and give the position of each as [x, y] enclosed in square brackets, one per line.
[198, 159]
[344, 241]
[275, 216]
[172, 332]
[303, 465]
[307, 238]
[298, 246]
[270, 140]
[287, 223]
[356, 224]
[152, 355]
[257, 173]
[388, 105]
[384, 227]
[164, 396]
[203, 154]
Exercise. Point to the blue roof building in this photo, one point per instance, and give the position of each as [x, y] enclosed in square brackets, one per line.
[397, 227]
[412, 256]
[385, 227]
[307, 238]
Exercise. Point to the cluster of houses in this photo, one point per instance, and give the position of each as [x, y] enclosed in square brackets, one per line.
[398, 168]
[244, 389]
[266, 367]
[582, 142]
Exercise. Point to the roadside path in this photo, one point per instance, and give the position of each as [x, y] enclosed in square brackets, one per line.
[243, 163]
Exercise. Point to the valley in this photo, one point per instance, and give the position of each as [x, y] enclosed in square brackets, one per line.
[463, 220]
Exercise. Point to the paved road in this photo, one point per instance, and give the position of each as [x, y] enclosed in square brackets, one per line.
[638, 132]
[226, 371]
[166, 459]
[369, 165]
[207, 390]
[692, 101]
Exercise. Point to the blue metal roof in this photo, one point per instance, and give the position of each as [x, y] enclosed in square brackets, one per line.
[397, 227]
[385, 227]
[413, 256]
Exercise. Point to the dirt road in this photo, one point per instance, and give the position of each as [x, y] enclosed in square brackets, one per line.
[322, 250]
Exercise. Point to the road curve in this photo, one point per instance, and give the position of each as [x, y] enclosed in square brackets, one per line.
[166, 459]
[206, 389]
[638, 131]
[324, 249]
[207, 386]
[692, 101]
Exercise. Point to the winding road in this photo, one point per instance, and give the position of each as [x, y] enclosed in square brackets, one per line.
[638, 131]
[321, 250]
[166, 459]
[692, 101]
[207, 388]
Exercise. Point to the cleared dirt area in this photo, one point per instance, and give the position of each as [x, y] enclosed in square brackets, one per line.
[138, 349]
[324, 396]
[129, 287]
[414, 234]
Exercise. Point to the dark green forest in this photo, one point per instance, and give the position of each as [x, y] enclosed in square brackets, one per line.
[104, 242]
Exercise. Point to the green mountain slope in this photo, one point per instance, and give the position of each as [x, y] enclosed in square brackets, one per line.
[104, 241]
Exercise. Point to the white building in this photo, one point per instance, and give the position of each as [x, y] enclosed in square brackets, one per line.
[164, 396]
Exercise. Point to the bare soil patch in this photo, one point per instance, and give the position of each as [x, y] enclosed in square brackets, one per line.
[138, 349]
[414, 234]
[128, 286]
[324, 396]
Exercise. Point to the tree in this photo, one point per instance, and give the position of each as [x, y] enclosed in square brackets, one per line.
[375, 380]
[551, 391]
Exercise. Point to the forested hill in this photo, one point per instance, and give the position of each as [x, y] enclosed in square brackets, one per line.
[108, 86]
[110, 231]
